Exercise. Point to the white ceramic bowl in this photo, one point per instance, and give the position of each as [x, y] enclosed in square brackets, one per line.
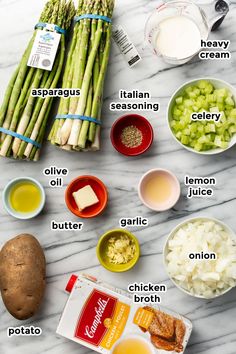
[171, 235]
[217, 83]
[7, 205]
[175, 190]
[138, 337]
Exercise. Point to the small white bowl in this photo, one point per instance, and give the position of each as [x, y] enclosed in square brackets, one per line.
[217, 83]
[175, 190]
[171, 235]
[138, 337]
[7, 205]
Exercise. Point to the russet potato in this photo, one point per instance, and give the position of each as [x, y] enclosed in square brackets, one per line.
[22, 276]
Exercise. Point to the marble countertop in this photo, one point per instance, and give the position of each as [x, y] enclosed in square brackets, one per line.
[69, 252]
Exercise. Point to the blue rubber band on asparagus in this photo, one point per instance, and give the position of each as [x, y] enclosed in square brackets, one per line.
[92, 16]
[76, 116]
[50, 26]
[21, 137]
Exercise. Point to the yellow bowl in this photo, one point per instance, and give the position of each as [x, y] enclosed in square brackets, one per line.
[102, 250]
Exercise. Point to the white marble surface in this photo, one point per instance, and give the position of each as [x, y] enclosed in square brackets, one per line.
[68, 252]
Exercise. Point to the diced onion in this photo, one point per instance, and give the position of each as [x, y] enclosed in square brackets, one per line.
[202, 277]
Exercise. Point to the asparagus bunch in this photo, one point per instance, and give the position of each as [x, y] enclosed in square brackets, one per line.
[85, 69]
[21, 112]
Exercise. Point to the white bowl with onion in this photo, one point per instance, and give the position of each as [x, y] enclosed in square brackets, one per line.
[219, 235]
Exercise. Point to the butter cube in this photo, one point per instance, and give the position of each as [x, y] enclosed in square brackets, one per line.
[85, 197]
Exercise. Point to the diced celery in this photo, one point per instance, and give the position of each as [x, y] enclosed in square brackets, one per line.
[178, 135]
[233, 113]
[231, 120]
[218, 141]
[189, 89]
[227, 136]
[220, 99]
[214, 109]
[202, 84]
[192, 94]
[188, 103]
[177, 112]
[210, 128]
[198, 147]
[224, 145]
[179, 100]
[212, 137]
[203, 135]
[184, 140]
[232, 129]
[223, 93]
[210, 98]
[200, 128]
[193, 128]
[204, 139]
[186, 131]
[209, 88]
[229, 101]
[197, 91]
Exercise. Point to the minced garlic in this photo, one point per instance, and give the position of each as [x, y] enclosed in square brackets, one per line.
[121, 249]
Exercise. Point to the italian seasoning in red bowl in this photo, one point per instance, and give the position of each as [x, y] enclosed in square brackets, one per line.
[132, 135]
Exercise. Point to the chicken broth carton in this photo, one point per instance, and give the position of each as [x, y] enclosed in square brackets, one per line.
[106, 320]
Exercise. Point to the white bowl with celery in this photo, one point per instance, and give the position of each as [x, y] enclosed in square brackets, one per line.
[202, 116]
[200, 257]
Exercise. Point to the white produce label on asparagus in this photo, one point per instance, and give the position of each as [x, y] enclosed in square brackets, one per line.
[44, 50]
[127, 48]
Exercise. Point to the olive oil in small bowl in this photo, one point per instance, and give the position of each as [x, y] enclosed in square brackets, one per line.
[24, 198]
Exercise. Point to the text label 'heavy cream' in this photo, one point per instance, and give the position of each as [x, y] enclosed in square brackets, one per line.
[221, 52]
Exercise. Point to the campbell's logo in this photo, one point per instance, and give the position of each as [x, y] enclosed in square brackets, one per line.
[91, 326]
[91, 331]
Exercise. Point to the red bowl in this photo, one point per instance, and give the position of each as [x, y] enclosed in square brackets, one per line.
[99, 189]
[139, 122]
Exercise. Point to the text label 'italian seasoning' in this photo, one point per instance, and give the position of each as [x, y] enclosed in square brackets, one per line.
[134, 100]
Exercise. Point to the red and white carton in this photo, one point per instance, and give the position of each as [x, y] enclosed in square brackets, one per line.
[98, 316]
